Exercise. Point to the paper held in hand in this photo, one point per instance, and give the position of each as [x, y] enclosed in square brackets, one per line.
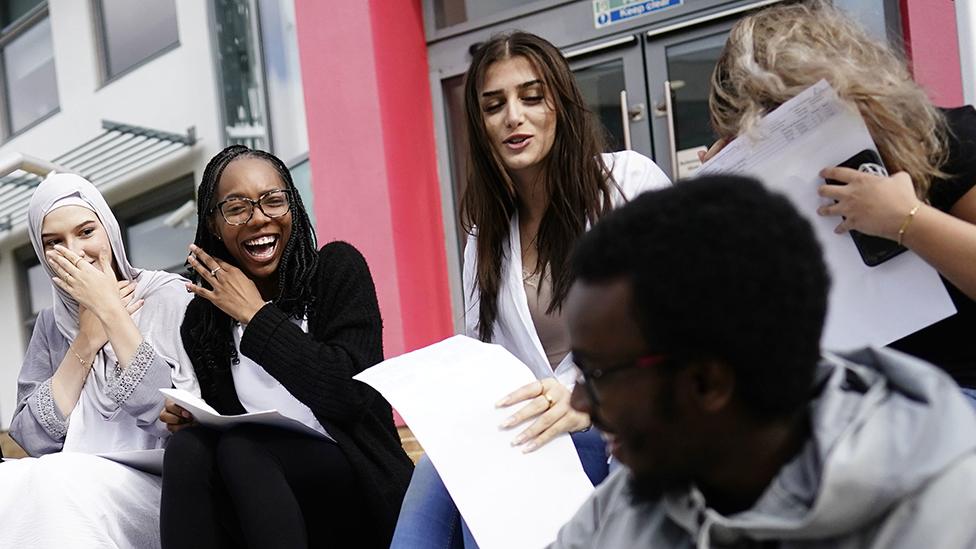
[447, 393]
[207, 416]
[787, 150]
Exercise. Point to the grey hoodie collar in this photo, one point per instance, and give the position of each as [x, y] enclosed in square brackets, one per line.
[884, 424]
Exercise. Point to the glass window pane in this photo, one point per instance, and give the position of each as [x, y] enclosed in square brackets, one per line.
[39, 287]
[133, 30]
[12, 10]
[454, 12]
[690, 66]
[283, 75]
[239, 61]
[601, 86]
[457, 138]
[301, 174]
[879, 17]
[32, 88]
[152, 244]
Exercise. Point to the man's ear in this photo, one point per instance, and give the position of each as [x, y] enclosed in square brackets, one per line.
[711, 384]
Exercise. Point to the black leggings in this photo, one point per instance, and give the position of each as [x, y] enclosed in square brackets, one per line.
[261, 487]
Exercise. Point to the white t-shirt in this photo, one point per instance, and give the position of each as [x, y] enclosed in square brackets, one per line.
[259, 391]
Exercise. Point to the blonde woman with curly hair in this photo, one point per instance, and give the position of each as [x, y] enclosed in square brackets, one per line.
[928, 204]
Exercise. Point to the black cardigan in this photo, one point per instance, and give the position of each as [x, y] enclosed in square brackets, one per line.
[345, 336]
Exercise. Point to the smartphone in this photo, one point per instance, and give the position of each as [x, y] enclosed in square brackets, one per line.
[874, 250]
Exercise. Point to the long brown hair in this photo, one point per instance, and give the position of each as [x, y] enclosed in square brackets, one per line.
[776, 53]
[575, 180]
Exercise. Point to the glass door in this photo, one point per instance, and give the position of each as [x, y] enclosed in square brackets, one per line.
[612, 82]
[679, 70]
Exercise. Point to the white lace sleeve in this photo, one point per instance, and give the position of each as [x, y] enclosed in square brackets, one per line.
[47, 415]
[126, 380]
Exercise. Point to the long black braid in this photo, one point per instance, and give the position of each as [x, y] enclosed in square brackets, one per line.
[209, 334]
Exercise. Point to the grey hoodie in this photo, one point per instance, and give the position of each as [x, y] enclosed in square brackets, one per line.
[891, 463]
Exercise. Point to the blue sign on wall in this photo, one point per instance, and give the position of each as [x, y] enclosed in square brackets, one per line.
[611, 12]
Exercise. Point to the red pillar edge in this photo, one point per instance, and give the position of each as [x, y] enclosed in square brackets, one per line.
[932, 47]
[410, 153]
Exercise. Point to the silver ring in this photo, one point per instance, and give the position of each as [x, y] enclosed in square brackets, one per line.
[213, 272]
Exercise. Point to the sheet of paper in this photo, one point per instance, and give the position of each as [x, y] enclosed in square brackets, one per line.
[149, 461]
[209, 417]
[867, 305]
[447, 393]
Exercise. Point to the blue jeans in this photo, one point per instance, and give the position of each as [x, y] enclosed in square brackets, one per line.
[429, 518]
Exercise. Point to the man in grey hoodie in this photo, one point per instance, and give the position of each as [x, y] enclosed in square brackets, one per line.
[695, 321]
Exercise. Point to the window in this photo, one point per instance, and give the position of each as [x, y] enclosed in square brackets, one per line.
[283, 78]
[134, 31]
[301, 175]
[156, 235]
[37, 292]
[260, 76]
[30, 88]
[448, 13]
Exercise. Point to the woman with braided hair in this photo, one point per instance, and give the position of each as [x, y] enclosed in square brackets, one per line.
[276, 324]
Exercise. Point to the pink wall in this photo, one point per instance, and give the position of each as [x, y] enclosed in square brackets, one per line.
[372, 156]
[933, 47]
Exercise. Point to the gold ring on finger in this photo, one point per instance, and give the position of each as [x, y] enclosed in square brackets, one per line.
[213, 272]
[77, 261]
[549, 399]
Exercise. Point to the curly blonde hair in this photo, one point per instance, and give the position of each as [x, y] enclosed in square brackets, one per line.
[774, 54]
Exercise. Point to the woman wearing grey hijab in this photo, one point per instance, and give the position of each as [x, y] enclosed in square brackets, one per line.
[90, 381]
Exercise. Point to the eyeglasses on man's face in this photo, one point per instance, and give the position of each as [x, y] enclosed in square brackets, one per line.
[239, 210]
[590, 378]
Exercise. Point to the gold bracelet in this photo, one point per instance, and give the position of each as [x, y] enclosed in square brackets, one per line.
[907, 222]
[81, 360]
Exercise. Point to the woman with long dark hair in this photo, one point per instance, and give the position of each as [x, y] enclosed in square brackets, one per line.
[537, 178]
[277, 324]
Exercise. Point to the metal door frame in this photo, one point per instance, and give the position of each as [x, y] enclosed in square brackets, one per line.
[655, 55]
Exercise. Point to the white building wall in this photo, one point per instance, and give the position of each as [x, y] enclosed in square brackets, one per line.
[171, 92]
[966, 26]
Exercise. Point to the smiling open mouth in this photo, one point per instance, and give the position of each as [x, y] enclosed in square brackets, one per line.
[518, 142]
[261, 248]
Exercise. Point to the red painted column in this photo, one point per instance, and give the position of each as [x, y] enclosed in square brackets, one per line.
[932, 45]
[372, 156]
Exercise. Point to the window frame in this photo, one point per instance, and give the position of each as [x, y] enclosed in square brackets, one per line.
[7, 35]
[105, 76]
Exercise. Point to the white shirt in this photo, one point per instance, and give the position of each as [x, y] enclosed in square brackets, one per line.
[259, 391]
[514, 330]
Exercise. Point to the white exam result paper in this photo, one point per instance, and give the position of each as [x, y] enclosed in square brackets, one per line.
[446, 393]
[867, 305]
[207, 416]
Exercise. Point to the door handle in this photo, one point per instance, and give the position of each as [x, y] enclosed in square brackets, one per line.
[625, 118]
[672, 144]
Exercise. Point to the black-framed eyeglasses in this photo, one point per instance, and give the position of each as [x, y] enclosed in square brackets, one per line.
[588, 377]
[238, 210]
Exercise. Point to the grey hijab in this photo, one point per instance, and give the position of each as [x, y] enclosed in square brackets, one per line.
[163, 292]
